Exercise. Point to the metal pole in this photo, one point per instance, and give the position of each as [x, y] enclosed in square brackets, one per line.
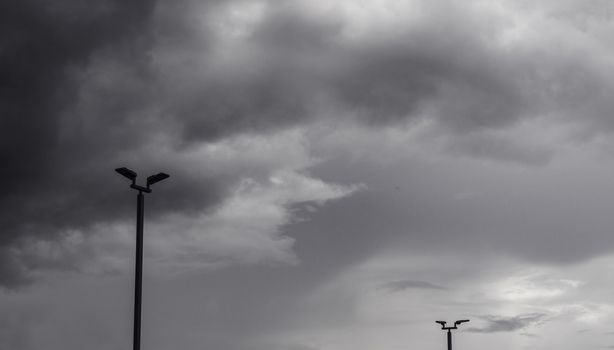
[138, 266]
[449, 340]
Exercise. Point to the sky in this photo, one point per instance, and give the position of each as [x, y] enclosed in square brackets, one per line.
[342, 173]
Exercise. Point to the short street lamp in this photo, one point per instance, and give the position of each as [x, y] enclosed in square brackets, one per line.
[138, 280]
[443, 326]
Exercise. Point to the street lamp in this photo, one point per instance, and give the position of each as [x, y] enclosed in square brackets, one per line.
[138, 266]
[443, 326]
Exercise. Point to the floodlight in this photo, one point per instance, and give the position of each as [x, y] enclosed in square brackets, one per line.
[126, 173]
[156, 178]
[449, 330]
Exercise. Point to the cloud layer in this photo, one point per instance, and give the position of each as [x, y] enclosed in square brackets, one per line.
[122, 79]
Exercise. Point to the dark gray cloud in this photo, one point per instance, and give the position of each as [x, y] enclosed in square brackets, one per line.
[299, 66]
[78, 99]
[398, 286]
[43, 44]
[89, 88]
[508, 324]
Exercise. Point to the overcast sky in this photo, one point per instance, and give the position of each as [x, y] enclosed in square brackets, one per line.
[343, 173]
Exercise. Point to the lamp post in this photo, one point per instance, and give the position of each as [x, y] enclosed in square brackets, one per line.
[138, 266]
[449, 329]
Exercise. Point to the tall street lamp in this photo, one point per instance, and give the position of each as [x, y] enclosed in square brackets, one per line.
[138, 280]
[449, 329]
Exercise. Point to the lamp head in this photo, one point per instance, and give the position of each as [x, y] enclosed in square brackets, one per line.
[156, 178]
[126, 173]
[442, 323]
[460, 321]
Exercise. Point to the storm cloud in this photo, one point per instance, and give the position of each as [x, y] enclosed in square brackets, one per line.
[91, 88]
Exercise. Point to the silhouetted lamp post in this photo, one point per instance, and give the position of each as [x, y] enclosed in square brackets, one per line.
[138, 280]
[443, 326]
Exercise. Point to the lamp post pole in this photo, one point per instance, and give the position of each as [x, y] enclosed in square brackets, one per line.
[138, 271]
[138, 265]
[449, 329]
